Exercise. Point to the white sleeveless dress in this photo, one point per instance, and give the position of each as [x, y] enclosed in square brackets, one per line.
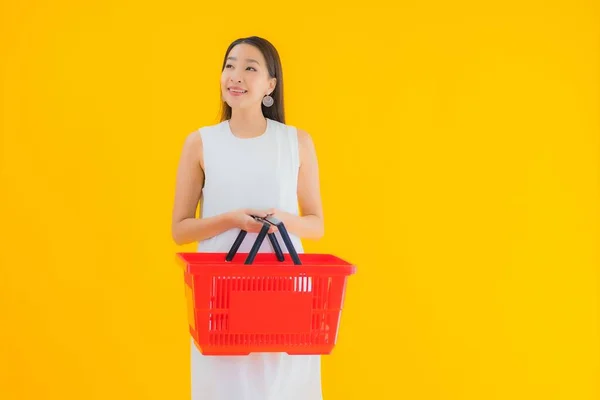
[261, 173]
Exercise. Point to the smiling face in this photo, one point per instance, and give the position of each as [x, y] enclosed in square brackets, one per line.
[245, 78]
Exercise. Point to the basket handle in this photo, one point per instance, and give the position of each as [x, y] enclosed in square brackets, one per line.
[267, 222]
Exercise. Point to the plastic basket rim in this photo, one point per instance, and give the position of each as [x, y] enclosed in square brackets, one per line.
[265, 263]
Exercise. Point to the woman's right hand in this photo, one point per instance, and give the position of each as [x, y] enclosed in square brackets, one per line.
[243, 220]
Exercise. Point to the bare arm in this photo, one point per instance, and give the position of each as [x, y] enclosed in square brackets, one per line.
[185, 228]
[310, 223]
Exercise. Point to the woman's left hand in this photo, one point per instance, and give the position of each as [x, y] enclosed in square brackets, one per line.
[281, 215]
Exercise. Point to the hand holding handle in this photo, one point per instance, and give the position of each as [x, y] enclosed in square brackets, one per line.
[267, 222]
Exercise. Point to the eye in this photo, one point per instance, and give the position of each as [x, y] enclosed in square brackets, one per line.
[252, 68]
[228, 65]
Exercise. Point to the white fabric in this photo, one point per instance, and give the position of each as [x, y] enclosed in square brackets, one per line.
[262, 173]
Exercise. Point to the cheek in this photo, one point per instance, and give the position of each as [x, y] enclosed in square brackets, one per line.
[256, 85]
[224, 79]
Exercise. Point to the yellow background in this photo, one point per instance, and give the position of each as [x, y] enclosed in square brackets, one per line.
[459, 153]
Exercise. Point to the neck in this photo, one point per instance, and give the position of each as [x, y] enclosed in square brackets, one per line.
[245, 123]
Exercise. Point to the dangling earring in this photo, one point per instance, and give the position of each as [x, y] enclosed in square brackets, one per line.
[267, 101]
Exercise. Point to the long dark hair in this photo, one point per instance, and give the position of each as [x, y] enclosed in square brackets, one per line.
[276, 111]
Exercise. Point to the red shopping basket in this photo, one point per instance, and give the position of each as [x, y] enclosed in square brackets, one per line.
[243, 303]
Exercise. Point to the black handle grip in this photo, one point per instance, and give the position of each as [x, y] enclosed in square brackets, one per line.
[276, 247]
[236, 245]
[267, 222]
[285, 236]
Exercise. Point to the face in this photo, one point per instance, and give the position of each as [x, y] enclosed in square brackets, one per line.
[245, 79]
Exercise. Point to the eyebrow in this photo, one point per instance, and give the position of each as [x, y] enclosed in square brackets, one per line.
[251, 60]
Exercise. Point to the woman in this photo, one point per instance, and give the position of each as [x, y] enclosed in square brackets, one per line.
[251, 163]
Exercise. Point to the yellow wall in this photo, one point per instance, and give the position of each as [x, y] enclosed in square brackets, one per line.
[459, 150]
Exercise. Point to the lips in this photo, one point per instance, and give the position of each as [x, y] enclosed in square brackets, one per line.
[237, 90]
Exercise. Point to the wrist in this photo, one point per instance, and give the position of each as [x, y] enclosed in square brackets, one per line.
[285, 217]
[230, 220]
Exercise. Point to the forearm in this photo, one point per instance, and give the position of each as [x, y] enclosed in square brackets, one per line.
[305, 226]
[197, 229]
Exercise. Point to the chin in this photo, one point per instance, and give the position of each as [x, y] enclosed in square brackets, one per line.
[239, 105]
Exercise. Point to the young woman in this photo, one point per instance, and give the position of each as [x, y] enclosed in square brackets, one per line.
[251, 163]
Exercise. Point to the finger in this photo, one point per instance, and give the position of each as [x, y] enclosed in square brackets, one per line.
[252, 225]
[256, 226]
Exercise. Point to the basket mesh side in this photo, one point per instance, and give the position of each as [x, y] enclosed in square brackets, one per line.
[322, 317]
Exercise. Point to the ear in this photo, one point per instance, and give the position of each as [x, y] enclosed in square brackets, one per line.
[272, 85]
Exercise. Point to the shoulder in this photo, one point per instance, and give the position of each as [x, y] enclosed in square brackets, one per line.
[192, 148]
[195, 140]
[304, 138]
[300, 139]
[300, 135]
[305, 144]
[306, 148]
